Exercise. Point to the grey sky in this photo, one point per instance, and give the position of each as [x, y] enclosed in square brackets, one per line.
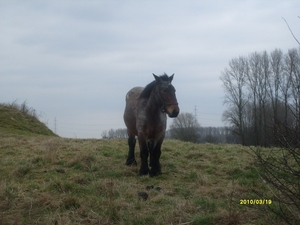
[75, 60]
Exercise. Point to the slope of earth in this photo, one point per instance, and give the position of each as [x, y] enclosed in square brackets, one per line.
[14, 120]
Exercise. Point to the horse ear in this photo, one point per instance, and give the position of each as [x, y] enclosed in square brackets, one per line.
[157, 78]
[171, 77]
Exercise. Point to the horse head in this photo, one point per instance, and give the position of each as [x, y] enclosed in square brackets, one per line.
[166, 95]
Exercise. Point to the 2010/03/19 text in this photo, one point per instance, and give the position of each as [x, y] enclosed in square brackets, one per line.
[255, 201]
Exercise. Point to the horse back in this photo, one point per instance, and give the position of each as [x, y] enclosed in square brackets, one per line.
[130, 109]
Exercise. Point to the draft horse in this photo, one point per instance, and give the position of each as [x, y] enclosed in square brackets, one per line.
[145, 117]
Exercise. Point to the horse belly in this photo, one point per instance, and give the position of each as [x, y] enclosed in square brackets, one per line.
[130, 109]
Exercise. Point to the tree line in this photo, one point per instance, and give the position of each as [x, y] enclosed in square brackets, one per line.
[262, 95]
[115, 133]
[186, 128]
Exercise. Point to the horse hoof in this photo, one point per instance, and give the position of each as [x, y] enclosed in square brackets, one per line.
[144, 172]
[131, 162]
[155, 173]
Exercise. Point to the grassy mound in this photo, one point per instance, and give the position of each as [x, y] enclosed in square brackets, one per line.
[19, 119]
[52, 180]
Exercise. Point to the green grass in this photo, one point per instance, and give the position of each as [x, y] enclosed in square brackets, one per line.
[20, 119]
[52, 180]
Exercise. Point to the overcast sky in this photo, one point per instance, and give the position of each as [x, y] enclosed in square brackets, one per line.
[76, 60]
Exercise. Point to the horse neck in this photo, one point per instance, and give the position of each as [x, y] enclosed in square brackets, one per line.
[154, 104]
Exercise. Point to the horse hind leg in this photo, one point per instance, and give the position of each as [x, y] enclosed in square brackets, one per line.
[131, 158]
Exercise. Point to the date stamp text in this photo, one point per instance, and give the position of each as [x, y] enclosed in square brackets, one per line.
[255, 201]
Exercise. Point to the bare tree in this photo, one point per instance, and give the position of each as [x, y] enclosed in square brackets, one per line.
[291, 30]
[254, 83]
[262, 95]
[280, 169]
[185, 127]
[272, 114]
[234, 83]
[294, 67]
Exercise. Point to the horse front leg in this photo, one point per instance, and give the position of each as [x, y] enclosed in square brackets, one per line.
[131, 158]
[144, 152]
[151, 147]
[154, 162]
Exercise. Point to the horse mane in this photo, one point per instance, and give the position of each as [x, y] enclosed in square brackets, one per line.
[148, 89]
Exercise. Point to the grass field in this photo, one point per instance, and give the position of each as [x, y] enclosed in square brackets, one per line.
[45, 179]
[53, 180]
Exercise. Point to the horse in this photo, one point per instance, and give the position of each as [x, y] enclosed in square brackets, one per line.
[145, 117]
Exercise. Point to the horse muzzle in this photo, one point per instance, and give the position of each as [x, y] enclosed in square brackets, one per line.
[172, 110]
